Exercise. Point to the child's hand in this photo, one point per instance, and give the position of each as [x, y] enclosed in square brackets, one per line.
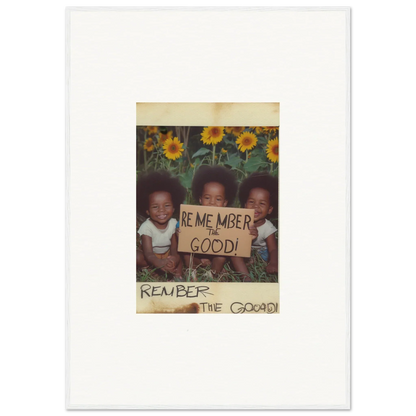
[173, 261]
[254, 232]
[161, 263]
[271, 268]
[171, 264]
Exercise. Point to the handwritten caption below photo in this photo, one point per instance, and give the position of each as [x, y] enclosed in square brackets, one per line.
[203, 299]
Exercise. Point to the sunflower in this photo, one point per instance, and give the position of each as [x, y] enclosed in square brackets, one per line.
[246, 141]
[234, 130]
[148, 145]
[273, 150]
[271, 129]
[152, 129]
[173, 148]
[164, 137]
[212, 135]
[258, 130]
[224, 151]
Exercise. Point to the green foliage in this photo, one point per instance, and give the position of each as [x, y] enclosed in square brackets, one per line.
[186, 178]
[196, 154]
[255, 164]
[234, 161]
[201, 152]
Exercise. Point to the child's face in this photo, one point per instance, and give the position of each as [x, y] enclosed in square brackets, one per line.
[160, 208]
[259, 200]
[213, 195]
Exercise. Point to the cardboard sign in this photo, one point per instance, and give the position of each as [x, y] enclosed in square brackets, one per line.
[217, 231]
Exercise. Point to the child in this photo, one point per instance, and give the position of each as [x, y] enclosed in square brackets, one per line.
[158, 195]
[212, 186]
[259, 192]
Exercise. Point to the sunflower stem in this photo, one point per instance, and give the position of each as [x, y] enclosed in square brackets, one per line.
[144, 150]
[246, 156]
[191, 261]
[239, 170]
[213, 154]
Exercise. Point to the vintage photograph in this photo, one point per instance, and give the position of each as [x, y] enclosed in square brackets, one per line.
[207, 204]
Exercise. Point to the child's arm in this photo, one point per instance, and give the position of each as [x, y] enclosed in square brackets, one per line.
[254, 232]
[174, 250]
[174, 260]
[149, 255]
[272, 248]
[137, 233]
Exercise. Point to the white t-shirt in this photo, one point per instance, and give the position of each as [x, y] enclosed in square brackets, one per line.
[264, 231]
[160, 238]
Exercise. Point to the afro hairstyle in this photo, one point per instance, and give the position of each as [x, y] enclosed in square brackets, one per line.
[259, 180]
[156, 181]
[224, 176]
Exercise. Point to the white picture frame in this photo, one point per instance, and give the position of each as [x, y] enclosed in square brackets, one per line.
[297, 359]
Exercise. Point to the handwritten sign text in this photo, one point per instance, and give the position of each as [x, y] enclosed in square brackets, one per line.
[218, 231]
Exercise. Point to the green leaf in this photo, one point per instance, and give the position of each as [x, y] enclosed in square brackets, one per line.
[234, 161]
[229, 141]
[259, 152]
[195, 137]
[186, 178]
[262, 140]
[275, 172]
[202, 151]
[253, 164]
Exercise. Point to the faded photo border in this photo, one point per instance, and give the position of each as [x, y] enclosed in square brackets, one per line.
[298, 57]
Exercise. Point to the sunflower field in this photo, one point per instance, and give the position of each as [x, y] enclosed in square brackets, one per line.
[182, 150]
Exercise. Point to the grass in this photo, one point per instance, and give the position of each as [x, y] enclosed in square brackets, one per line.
[257, 271]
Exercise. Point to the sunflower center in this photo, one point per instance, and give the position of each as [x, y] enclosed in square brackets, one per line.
[246, 141]
[173, 148]
[214, 132]
[276, 150]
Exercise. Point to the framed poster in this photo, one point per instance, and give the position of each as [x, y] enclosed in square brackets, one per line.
[264, 92]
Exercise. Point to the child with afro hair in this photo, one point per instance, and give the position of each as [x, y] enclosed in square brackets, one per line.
[260, 192]
[213, 186]
[158, 196]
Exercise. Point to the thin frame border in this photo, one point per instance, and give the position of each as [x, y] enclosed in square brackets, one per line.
[353, 245]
